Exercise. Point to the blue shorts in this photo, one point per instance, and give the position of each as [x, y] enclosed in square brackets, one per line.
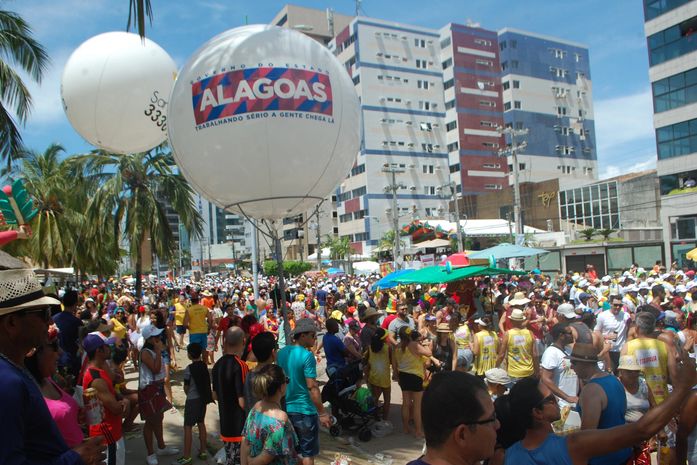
[200, 339]
[181, 329]
[307, 429]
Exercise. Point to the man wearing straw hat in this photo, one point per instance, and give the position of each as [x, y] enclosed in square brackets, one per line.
[519, 349]
[28, 434]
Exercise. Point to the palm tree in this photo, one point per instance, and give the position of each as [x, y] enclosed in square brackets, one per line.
[387, 241]
[17, 48]
[340, 248]
[48, 181]
[61, 235]
[131, 195]
[138, 10]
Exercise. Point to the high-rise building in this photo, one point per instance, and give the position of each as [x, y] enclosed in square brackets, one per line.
[547, 90]
[220, 227]
[398, 77]
[473, 108]
[672, 46]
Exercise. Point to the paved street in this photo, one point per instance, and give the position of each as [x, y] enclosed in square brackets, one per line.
[401, 447]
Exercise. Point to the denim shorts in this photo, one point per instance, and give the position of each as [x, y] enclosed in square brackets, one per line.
[200, 339]
[307, 429]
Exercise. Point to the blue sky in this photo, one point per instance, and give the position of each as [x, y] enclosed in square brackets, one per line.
[613, 31]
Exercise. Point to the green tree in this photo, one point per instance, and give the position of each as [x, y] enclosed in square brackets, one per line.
[138, 11]
[18, 48]
[340, 248]
[588, 233]
[387, 241]
[130, 197]
[606, 232]
[61, 234]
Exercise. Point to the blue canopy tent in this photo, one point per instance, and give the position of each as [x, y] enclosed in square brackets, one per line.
[332, 271]
[506, 250]
[388, 282]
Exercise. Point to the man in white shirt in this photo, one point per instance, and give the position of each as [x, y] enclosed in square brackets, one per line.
[613, 325]
[556, 372]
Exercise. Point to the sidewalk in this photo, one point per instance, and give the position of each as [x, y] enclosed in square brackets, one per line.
[402, 448]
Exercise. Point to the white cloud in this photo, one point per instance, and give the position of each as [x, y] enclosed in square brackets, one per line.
[624, 133]
[47, 107]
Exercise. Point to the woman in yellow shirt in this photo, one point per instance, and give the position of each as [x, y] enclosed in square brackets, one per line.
[485, 346]
[119, 324]
[379, 356]
[408, 370]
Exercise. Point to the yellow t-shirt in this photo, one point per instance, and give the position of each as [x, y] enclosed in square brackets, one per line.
[379, 371]
[119, 329]
[198, 319]
[179, 313]
[520, 350]
[462, 336]
[407, 362]
[488, 350]
[652, 357]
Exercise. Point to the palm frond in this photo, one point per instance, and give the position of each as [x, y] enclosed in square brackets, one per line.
[138, 10]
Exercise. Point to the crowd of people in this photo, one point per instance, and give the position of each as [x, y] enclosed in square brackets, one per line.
[495, 372]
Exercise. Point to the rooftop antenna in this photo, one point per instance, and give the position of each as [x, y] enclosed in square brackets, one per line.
[358, 7]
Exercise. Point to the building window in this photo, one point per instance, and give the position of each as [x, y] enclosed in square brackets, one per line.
[514, 64]
[506, 106]
[356, 79]
[455, 168]
[445, 42]
[447, 63]
[506, 85]
[428, 169]
[356, 170]
[427, 148]
[422, 84]
[675, 91]
[430, 190]
[504, 65]
[655, 8]
[561, 111]
[516, 84]
[450, 104]
[425, 105]
[502, 45]
[484, 42]
[448, 84]
[493, 187]
[577, 57]
[428, 127]
[594, 206]
[516, 104]
[677, 139]
[450, 126]
[487, 103]
[421, 64]
[453, 147]
[421, 43]
[484, 62]
[490, 145]
[514, 44]
[491, 166]
[558, 53]
[672, 42]
[558, 72]
[487, 124]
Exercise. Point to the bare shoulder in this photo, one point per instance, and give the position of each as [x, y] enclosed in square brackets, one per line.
[278, 414]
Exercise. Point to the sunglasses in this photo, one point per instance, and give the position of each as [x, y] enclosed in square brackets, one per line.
[617, 304]
[550, 399]
[42, 312]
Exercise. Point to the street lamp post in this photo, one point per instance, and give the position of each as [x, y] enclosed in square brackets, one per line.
[512, 150]
[393, 169]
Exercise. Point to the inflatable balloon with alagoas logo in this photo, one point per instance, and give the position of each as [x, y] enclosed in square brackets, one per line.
[264, 121]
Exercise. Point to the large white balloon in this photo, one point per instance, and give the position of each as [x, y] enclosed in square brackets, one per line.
[265, 121]
[115, 89]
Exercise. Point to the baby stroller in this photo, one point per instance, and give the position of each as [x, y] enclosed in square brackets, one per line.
[354, 408]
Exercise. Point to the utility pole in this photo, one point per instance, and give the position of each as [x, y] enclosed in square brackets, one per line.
[393, 169]
[255, 258]
[453, 195]
[512, 150]
[314, 224]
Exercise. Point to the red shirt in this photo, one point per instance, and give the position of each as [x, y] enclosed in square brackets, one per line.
[388, 319]
[110, 427]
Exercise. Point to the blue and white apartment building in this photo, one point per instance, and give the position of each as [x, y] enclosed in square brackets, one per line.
[547, 89]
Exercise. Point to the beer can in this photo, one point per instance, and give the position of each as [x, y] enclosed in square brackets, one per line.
[93, 407]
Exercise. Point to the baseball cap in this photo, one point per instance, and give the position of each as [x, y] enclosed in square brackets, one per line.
[93, 341]
[567, 311]
[150, 331]
[497, 376]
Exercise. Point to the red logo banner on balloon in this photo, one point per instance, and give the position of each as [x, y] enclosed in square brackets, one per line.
[260, 90]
